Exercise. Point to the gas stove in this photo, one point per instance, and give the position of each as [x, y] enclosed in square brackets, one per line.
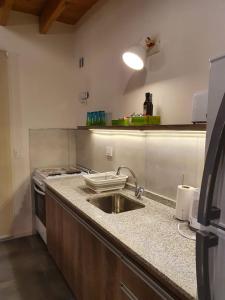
[40, 175]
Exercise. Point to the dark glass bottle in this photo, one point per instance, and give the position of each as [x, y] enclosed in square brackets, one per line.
[148, 106]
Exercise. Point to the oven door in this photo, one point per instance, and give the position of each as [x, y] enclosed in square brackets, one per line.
[39, 198]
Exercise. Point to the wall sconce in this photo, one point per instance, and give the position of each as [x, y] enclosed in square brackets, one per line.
[136, 56]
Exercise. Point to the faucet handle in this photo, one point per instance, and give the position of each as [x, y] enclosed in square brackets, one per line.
[139, 192]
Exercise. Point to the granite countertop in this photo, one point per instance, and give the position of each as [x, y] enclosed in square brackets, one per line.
[150, 232]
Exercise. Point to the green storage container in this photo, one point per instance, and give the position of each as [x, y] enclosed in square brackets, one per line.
[146, 120]
[121, 122]
[153, 120]
[137, 121]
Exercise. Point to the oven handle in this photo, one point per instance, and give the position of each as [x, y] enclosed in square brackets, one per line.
[38, 182]
[38, 191]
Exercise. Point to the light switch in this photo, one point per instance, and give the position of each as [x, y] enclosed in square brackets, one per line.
[109, 151]
[81, 62]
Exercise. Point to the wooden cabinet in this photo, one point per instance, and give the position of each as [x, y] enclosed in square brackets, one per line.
[100, 267]
[71, 252]
[93, 267]
[90, 265]
[135, 284]
[54, 214]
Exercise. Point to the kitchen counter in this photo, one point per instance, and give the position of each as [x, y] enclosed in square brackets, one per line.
[151, 233]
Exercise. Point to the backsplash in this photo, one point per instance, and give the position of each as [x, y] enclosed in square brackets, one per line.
[159, 159]
[52, 148]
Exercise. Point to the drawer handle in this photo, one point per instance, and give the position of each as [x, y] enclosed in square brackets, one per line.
[127, 292]
[150, 282]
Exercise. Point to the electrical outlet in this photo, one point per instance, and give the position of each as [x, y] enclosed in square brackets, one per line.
[109, 151]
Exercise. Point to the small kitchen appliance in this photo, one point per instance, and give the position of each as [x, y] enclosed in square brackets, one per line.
[199, 107]
[193, 213]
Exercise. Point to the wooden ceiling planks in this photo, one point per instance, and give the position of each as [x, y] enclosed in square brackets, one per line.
[50, 13]
[33, 7]
[75, 10]
[6, 6]
[65, 11]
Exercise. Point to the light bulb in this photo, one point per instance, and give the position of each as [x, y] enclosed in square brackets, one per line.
[135, 58]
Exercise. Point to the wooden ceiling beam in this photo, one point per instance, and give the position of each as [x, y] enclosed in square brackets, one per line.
[6, 6]
[51, 12]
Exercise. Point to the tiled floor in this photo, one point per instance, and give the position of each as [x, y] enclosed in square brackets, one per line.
[27, 272]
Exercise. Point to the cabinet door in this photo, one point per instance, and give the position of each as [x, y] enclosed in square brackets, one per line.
[135, 285]
[103, 267]
[54, 229]
[71, 254]
[91, 268]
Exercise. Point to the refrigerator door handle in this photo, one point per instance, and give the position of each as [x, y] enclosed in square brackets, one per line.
[206, 211]
[204, 241]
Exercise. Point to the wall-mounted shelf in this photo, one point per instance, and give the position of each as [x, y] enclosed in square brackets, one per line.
[178, 127]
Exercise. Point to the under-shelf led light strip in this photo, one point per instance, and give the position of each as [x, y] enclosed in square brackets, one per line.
[154, 133]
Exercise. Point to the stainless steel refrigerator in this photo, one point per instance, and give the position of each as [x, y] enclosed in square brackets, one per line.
[210, 240]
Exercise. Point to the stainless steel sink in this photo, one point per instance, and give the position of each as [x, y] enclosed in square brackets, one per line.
[115, 203]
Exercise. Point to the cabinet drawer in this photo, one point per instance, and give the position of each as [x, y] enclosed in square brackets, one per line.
[135, 285]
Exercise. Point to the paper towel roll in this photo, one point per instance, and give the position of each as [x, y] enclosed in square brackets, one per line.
[185, 195]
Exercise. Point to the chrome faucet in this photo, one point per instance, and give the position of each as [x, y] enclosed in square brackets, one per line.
[138, 189]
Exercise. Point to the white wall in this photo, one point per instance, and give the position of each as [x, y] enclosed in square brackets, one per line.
[190, 32]
[42, 96]
[6, 191]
